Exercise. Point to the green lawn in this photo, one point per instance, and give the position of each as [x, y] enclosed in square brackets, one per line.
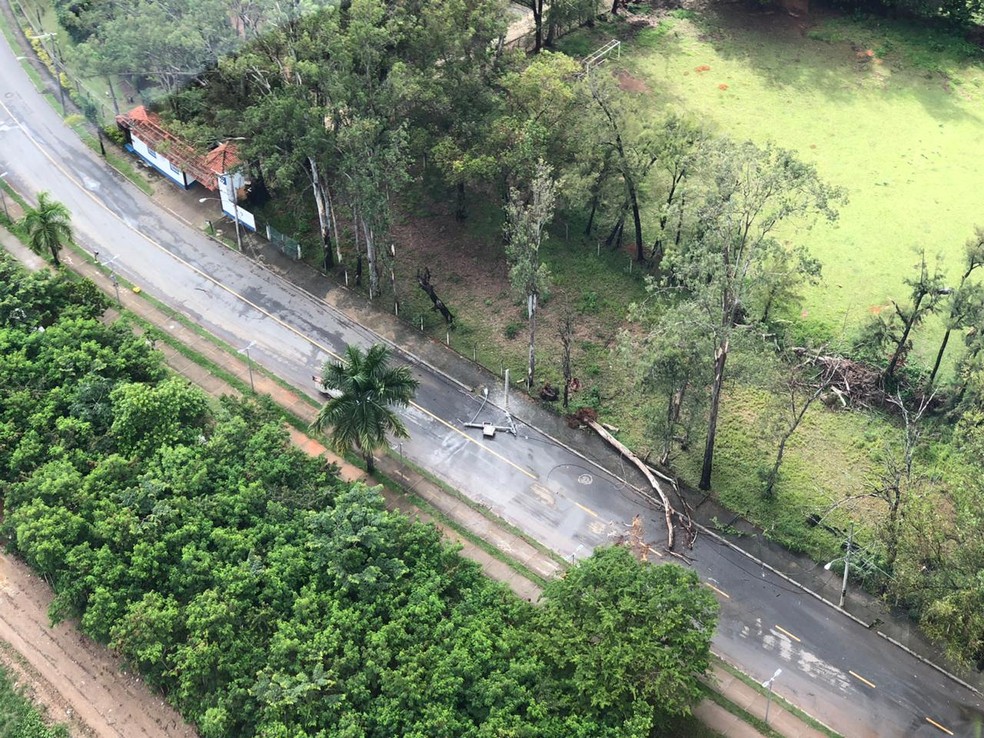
[899, 129]
[19, 718]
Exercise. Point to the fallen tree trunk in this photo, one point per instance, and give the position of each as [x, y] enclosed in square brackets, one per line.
[423, 279]
[667, 509]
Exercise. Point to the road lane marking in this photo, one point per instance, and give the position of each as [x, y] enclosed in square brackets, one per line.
[861, 678]
[464, 435]
[933, 722]
[787, 633]
[588, 510]
[719, 591]
[188, 265]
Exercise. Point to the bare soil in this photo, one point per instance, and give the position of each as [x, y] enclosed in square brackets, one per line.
[76, 680]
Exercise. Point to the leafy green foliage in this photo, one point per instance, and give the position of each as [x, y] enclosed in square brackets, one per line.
[19, 718]
[623, 633]
[267, 598]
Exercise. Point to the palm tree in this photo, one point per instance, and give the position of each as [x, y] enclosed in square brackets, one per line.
[364, 390]
[48, 226]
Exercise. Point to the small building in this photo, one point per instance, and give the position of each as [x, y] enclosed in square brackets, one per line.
[180, 162]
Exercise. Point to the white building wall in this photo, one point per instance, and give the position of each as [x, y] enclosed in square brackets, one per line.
[160, 162]
[228, 184]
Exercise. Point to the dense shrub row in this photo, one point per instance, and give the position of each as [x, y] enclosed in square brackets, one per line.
[265, 596]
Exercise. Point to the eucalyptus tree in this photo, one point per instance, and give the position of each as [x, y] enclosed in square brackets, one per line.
[749, 191]
[635, 152]
[679, 143]
[169, 42]
[527, 216]
[966, 301]
[671, 357]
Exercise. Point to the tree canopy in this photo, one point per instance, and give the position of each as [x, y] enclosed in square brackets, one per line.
[265, 596]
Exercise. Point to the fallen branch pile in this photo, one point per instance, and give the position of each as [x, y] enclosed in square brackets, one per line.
[850, 382]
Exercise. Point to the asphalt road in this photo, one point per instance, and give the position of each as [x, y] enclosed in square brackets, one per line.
[833, 668]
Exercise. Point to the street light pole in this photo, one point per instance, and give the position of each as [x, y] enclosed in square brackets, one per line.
[847, 565]
[235, 217]
[768, 700]
[116, 285]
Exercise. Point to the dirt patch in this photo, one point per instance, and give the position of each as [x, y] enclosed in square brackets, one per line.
[631, 84]
[470, 275]
[75, 679]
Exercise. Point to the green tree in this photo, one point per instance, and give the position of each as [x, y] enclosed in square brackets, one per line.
[635, 154]
[48, 226]
[927, 291]
[627, 641]
[526, 218]
[367, 390]
[798, 386]
[169, 42]
[148, 417]
[733, 253]
[678, 147]
[672, 363]
[966, 300]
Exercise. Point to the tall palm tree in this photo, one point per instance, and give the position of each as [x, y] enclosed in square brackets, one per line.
[48, 226]
[364, 391]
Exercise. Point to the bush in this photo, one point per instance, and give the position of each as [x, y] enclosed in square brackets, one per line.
[114, 134]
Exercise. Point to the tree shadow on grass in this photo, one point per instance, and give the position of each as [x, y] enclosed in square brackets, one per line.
[796, 54]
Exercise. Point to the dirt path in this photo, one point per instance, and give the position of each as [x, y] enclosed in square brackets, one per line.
[77, 680]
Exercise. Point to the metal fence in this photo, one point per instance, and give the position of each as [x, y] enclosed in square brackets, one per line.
[284, 244]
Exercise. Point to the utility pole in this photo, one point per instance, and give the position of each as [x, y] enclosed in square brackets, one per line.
[116, 285]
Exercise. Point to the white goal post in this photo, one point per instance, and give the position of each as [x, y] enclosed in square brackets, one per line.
[600, 56]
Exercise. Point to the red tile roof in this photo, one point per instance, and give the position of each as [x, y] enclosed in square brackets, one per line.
[222, 158]
[147, 126]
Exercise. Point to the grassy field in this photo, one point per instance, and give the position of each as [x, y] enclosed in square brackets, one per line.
[889, 111]
[886, 110]
[19, 718]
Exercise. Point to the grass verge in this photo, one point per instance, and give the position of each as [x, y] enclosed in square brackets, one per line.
[19, 718]
[786, 705]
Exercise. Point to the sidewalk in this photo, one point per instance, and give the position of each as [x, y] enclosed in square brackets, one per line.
[464, 516]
